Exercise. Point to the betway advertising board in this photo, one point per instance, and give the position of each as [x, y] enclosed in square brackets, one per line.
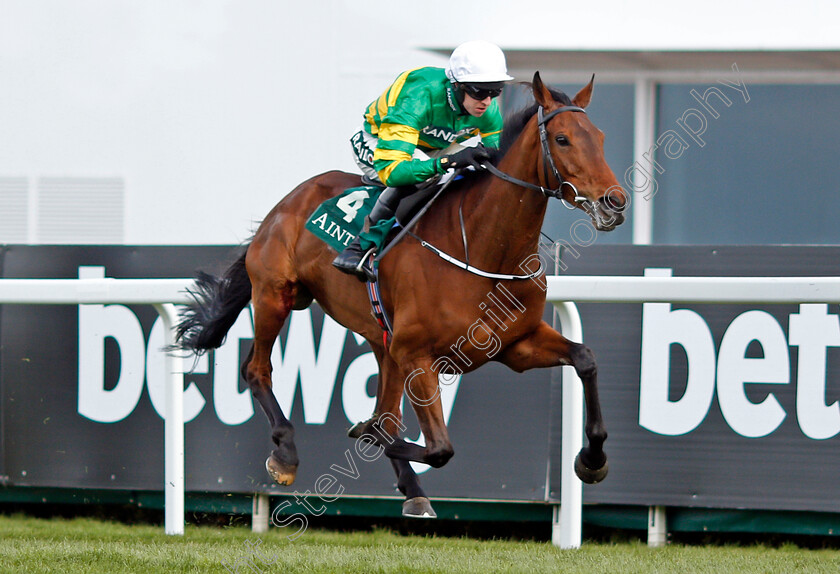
[732, 406]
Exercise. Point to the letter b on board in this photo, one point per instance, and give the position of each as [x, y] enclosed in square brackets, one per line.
[662, 327]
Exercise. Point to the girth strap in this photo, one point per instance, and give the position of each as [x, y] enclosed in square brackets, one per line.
[377, 308]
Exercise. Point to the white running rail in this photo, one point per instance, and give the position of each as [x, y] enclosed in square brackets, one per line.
[163, 294]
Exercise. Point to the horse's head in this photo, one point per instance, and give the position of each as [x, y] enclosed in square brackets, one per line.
[573, 157]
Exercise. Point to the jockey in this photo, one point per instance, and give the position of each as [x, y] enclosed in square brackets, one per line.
[407, 129]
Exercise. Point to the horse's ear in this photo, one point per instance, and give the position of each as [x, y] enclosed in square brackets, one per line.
[584, 96]
[541, 93]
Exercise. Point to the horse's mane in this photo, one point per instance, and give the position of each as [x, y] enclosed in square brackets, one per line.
[515, 122]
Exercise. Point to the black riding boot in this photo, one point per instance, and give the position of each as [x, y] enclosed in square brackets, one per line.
[350, 260]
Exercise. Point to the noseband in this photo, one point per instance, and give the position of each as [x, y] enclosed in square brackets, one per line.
[548, 161]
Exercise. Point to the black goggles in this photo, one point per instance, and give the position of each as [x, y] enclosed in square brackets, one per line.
[481, 93]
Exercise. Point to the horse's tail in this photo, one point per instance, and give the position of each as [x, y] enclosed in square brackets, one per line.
[217, 302]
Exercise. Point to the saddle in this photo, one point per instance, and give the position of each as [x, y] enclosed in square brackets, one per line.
[413, 203]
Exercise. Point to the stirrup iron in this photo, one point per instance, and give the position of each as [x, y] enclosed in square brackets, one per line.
[365, 272]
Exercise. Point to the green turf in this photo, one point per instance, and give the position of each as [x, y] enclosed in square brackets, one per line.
[85, 545]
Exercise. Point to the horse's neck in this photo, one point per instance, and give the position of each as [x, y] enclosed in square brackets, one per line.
[503, 218]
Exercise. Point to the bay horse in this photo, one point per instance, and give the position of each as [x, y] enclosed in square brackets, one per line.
[434, 306]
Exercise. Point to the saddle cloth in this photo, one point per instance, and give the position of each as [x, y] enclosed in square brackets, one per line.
[339, 220]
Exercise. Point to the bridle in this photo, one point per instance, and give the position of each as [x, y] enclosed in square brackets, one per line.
[548, 162]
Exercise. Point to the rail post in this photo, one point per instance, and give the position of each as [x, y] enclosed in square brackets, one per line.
[567, 523]
[173, 426]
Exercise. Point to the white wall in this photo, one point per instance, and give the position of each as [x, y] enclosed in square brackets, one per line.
[211, 110]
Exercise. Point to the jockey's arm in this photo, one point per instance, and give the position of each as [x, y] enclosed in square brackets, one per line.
[394, 158]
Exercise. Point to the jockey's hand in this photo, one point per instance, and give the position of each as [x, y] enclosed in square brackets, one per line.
[470, 156]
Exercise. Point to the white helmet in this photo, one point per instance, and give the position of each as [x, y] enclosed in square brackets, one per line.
[477, 62]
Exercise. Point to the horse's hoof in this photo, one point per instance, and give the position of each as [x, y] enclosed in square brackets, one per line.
[588, 475]
[282, 474]
[418, 507]
[358, 429]
[364, 430]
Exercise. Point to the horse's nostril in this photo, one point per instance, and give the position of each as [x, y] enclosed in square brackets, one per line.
[614, 199]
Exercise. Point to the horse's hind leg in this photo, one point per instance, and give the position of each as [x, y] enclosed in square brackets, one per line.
[384, 430]
[591, 463]
[272, 304]
[545, 347]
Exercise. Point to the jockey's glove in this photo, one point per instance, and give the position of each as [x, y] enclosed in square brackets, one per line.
[469, 156]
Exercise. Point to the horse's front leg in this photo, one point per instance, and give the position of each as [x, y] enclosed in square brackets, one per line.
[545, 347]
[420, 385]
[416, 504]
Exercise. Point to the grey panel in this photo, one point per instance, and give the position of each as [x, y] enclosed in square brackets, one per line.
[14, 209]
[767, 172]
[77, 210]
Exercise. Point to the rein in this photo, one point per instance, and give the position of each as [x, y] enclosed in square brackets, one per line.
[548, 161]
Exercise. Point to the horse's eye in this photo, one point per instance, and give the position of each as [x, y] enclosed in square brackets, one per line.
[562, 141]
